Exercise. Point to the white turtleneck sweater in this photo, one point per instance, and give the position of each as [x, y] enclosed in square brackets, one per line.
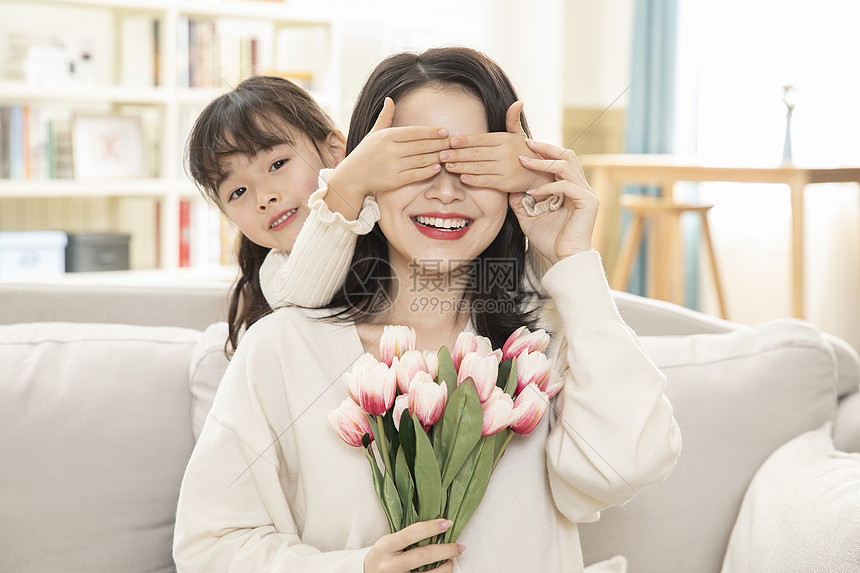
[271, 487]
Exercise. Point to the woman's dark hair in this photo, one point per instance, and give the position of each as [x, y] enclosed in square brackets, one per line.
[261, 113]
[496, 307]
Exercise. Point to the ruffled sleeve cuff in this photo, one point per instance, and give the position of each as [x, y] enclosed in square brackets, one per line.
[311, 274]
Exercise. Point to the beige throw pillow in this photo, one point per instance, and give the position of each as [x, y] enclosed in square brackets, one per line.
[801, 513]
[737, 397]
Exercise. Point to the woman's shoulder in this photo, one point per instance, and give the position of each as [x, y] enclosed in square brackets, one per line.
[293, 321]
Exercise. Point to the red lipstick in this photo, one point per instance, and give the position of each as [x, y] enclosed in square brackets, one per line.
[442, 226]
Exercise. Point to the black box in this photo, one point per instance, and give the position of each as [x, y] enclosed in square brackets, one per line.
[87, 252]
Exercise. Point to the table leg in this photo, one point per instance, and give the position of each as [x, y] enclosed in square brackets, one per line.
[599, 181]
[797, 241]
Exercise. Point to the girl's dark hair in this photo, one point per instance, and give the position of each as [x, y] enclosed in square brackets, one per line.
[261, 113]
[497, 306]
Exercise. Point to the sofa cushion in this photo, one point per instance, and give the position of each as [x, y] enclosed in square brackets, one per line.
[737, 397]
[208, 364]
[96, 433]
[801, 512]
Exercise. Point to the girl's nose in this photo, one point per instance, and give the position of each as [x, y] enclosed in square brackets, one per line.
[446, 187]
[266, 196]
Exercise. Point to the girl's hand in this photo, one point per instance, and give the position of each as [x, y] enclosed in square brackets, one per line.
[388, 555]
[387, 158]
[492, 159]
[567, 231]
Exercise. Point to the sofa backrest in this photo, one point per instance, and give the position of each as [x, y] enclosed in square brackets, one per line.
[95, 434]
[187, 304]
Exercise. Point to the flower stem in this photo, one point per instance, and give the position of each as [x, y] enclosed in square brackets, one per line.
[383, 447]
[502, 449]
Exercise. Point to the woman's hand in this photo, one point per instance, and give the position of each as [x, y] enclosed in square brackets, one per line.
[387, 158]
[388, 555]
[568, 230]
[492, 159]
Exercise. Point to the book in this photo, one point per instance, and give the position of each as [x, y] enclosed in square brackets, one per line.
[185, 233]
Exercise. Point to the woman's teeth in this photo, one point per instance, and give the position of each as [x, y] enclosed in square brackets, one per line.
[444, 224]
[282, 219]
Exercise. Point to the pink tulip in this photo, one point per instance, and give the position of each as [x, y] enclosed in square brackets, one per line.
[427, 399]
[372, 385]
[522, 339]
[468, 342]
[432, 361]
[529, 409]
[497, 412]
[395, 341]
[484, 371]
[350, 422]
[401, 404]
[556, 383]
[532, 368]
[406, 366]
[360, 367]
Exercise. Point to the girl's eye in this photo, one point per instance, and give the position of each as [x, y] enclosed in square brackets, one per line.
[277, 164]
[237, 193]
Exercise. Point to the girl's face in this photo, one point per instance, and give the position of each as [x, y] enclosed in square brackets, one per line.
[266, 196]
[439, 222]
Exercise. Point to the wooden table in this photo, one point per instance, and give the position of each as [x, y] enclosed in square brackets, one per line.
[607, 171]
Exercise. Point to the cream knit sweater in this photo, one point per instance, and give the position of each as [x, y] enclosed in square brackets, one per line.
[270, 486]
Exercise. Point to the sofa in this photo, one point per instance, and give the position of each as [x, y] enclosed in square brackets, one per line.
[104, 388]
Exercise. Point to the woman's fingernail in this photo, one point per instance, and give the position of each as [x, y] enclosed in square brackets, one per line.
[460, 548]
[443, 525]
[449, 166]
[455, 142]
[436, 166]
[530, 191]
[524, 159]
[443, 156]
[443, 132]
[466, 178]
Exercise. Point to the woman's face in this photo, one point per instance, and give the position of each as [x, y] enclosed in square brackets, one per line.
[266, 196]
[439, 222]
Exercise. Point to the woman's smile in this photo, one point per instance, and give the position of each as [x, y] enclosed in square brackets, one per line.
[442, 226]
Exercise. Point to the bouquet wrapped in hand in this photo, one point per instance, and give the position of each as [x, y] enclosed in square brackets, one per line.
[442, 421]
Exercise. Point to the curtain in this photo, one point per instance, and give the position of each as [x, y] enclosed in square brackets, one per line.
[650, 124]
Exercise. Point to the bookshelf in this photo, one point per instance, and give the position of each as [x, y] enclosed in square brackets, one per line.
[159, 61]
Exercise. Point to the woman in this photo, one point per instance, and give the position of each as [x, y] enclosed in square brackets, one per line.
[270, 487]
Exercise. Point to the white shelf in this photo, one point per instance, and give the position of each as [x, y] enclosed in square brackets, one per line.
[171, 103]
[24, 189]
[17, 92]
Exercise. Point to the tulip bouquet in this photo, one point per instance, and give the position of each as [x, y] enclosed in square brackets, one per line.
[442, 421]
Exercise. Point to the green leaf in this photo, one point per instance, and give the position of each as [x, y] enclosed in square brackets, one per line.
[511, 385]
[504, 371]
[391, 434]
[374, 428]
[378, 487]
[469, 487]
[428, 481]
[461, 430]
[446, 371]
[405, 487]
[407, 441]
[392, 503]
[500, 440]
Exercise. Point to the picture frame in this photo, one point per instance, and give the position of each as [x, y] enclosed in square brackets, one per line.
[107, 147]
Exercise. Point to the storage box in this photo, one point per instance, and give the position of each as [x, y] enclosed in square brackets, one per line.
[88, 252]
[32, 254]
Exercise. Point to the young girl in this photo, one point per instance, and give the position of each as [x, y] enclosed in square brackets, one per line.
[270, 486]
[256, 153]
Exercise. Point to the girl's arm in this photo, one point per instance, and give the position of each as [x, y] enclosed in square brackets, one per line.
[343, 208]
[613, 431]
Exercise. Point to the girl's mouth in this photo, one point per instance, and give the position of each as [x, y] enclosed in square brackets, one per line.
[444, 228]
[282, 218]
